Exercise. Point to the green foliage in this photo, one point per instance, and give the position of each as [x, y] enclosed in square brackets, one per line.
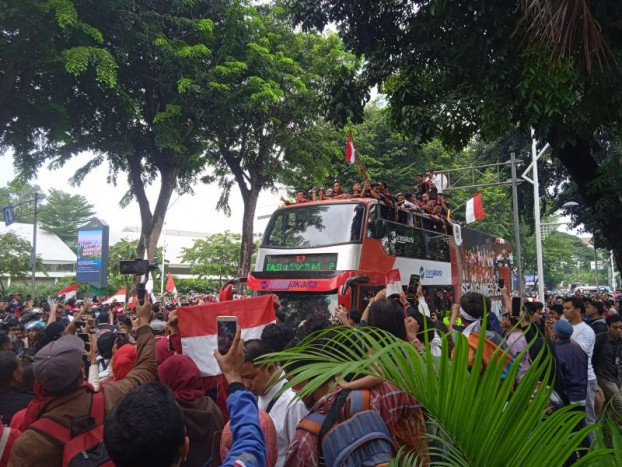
[479, 419]
[455, 70]
[215, 256]
[62, 214]
[78, 59]
[21, 195]
[15, 259]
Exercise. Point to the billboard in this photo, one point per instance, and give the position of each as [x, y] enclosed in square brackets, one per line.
[92, 254]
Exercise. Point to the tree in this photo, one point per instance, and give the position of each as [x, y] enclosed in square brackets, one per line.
[215, 256]
[15, 259]
[141, 127]
[62, 214]
[263, 106]
[455, 69]
[20, 195]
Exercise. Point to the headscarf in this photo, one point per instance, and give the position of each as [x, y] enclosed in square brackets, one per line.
[182, 376]
[123, 361]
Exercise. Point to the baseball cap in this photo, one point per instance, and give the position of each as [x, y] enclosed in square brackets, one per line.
[58, 364]
[563, 329]
[157, 325]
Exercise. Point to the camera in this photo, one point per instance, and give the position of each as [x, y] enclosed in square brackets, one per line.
[137, 266]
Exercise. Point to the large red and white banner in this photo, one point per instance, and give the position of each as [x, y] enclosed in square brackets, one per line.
[68, 292]
[198, 329]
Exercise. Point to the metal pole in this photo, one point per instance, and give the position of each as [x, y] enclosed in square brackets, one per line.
[163, 263]
[34, 251]
[613, 272]
[517, 248]
[595, 261]
[536, 215]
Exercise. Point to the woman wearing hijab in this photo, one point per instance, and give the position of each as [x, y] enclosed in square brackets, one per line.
[202, 417]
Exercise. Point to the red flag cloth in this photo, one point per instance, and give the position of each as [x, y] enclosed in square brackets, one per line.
[68, 292]
[393, 282]
[170, 284]
[198, 329]
[350, 151]
[475, 209]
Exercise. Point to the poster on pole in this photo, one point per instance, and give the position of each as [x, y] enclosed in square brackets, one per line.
[92, 254]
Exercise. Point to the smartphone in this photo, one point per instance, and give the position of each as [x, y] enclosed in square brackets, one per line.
[227, 327]
[78, 323]
[87, 341]
[414, 282]
[516, 306]
[501, 283]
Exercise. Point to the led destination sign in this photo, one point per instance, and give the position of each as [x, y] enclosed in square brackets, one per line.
[318, 262]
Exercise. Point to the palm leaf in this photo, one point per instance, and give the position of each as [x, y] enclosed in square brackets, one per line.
[481, 419]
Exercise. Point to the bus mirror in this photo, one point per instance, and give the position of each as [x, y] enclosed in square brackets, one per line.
[353, 280]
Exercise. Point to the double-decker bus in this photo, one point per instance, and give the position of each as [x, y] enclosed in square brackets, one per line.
[319, 254]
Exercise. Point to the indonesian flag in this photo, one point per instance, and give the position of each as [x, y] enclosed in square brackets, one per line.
[170, 284]
[475, 209]
[350, 151]
[198, 329]
[68, 292]
[393, 282]
[119, 296]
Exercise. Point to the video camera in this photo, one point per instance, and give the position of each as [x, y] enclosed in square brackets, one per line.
[138, 267]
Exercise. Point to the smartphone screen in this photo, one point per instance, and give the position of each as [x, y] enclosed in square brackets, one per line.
[414, 282]
[227, 327]
[516, 306]
[501, 283]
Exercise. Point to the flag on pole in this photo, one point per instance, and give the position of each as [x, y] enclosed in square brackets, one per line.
[68, 292]
[475, 209]
[198, 330]
[350, 151]
[170, 284]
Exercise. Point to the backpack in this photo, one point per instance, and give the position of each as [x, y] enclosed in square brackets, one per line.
[490, 351]
[84, 442]
[361, 440]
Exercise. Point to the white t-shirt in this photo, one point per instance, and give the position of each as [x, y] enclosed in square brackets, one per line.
[285, 413]
[585, 337]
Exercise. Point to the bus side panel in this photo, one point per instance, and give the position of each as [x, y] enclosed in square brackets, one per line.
[479, 263]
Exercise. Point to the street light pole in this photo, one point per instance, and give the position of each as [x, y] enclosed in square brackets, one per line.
[33, 257]
[595, 261]
[517, 247]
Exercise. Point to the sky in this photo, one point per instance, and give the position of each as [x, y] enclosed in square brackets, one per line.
[196, 213]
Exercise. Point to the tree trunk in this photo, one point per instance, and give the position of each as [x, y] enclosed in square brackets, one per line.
[584, 169]
[246, 251]
[151, 223]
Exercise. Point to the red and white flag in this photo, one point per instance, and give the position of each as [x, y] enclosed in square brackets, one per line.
[170, 284]
[393, 280]
[198, 330]
[68, 292]
[475, 209]
[350, 151]
[119, 296]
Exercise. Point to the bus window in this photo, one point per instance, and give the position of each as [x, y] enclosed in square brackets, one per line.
[366, 293]
[313, 226]
[299, 306]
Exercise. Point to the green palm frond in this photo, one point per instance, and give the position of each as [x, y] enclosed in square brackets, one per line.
[480, 419]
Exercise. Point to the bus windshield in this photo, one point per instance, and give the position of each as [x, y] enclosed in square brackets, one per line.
[299, 306]
[314, 226]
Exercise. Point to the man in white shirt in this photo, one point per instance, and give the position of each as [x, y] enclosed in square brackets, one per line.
[436, 180]
[583, 335]
[263, 381]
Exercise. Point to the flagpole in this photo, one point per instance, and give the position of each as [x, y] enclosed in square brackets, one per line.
[163, 263]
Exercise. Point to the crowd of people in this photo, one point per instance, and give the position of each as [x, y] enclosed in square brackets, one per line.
[425, 199]
[115, 387]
